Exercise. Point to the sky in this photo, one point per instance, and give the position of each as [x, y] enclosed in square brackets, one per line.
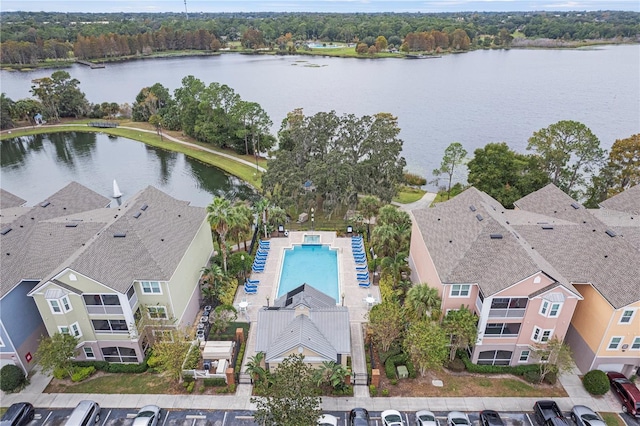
[344, 6]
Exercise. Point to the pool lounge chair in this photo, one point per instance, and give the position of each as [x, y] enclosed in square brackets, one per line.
[262, 258]
[257, 269]
[360, 257]
[364, 284]
[363, 277]
[362, 268]
[353, 244]
[265, 244]
[250, 290]
[359, 253]
[252, 282]
[360, 261]
[261, 250]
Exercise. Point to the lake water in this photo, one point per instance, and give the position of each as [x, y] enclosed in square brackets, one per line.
[472, 98]
[36, 166]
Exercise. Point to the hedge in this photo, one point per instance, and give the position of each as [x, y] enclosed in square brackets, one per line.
[394, 361]
[113, 367]
[596, 382]
[214, 381]
[192, 359]
[82, 373]
[519, 370]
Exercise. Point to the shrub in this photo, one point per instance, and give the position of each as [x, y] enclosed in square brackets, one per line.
[238, 366]
[394, 382]
[551, 378]
[214, 381]
[11, 378]
[60, 373]
[532, 376]
[385, 392]
[186, 378]
[373, 391]
[192, 359]
[153, 361]
[190, 386]
[390, 368]
[456, 365]
[232, 388]
[519, 370]
[126, 368]
[82, 373]
[596, 382]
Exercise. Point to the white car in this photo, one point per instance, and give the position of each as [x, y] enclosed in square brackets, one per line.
[327, 420]
[426, 418]
[391, 418]
[457, 418]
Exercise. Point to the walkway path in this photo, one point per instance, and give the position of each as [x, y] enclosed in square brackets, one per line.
[171, 138]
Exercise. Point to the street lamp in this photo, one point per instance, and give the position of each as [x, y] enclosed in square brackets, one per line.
[244, 273]
[267, 301]
[312, 217]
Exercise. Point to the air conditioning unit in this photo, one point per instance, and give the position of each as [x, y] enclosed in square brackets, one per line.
[207, 366]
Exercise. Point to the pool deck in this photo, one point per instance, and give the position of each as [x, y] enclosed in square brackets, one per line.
[354, 295]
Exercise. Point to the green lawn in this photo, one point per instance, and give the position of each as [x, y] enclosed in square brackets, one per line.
[408, 195]
[612, 419]
[144, 383]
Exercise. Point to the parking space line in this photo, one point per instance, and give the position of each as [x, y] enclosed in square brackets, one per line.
[48, 415]
[166, 416]
[104, 422]
[224, 419]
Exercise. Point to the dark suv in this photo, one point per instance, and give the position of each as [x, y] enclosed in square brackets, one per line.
[359, 417]
[627, 392]
[20, 413]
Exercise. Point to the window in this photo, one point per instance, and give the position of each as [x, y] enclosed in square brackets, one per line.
[157, 312]
[540, 335]
[55, 306]
[614, 344]
[63, 329]
[65, 304]
[550, 309]
[119, 354]
[635, 345]
[131, 293]
[101, 299]
[151, 287]
[494, 358]
[110, 326]
[88, 352]
[524, 356]
[460, 290]
[502, 329]
[75, 329]
[627, 316]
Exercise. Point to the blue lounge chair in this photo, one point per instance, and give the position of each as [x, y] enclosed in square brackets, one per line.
[360, 257]
[265, 244]
[262, 251]
[250, 290]
[257, 269]
[363, 277]
[356, 244]
[356, 237]
[360, 261]
[359, 253]
[252, 283]
[261, 258]
[363, 268]
[364, 284]
[248, 285]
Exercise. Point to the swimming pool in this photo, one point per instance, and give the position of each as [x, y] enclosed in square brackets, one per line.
[316, 265]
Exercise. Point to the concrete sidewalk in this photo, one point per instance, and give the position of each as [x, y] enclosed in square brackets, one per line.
[241, 400]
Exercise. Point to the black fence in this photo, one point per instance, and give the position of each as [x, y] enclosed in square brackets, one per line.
[102, 124]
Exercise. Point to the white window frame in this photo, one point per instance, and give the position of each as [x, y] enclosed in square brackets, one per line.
[537, 332]
[63, 329]
[53, 305]
[557, 311]
[75, 329]
[461, 288]
[544, 308]
[609, 348]
[630, 318]
[151, 287]
[65, 303]
[549, 333]
[635, 342]
[528, 354]
[547, 309]
[86, 355]
[157, 310]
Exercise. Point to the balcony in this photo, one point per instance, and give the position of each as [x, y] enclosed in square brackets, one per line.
[104, 310]
[507, 313]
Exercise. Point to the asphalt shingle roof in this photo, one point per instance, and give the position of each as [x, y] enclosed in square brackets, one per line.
[627, 201]
[7, 200]
[35, 246]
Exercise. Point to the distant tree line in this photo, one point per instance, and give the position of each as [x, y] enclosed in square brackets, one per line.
[30, 37]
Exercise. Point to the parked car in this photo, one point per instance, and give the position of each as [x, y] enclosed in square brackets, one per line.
[547, 413]
[327, 420]
[359, 417]
[426, 418]
[585, 416]
[18, 414]
[391, 418]
[147, 416]
[627, 392]
[86, 413]
[490, 418]
[457, 418]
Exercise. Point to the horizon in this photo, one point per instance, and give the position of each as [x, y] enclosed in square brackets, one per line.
[320, 6]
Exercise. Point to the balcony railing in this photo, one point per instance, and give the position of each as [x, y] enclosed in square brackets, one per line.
[104, 309]
[133, 301]
[507, 313]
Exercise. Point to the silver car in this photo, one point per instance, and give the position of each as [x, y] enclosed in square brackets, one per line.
[585, 416]
[147, 416]
[426, 418]
[457, 418]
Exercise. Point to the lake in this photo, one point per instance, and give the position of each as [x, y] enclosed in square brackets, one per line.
[472, 98]
[34, 167]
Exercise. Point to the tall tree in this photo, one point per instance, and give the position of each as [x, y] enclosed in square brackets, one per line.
[6, 112]
[292, 398]
[570, 152]
[624, 162]
[220, 217]
[454, 156]
[368, 206]
[553, 356]
[462, 327]
[385, 324]
[426, 344]
[56, 352]
[504, 174]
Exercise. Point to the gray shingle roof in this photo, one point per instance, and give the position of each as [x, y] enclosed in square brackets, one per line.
[627, 201]
[305, 295]
[7, 199]
[35, 246]
[464, 251]
[154, 244]
[301, 331]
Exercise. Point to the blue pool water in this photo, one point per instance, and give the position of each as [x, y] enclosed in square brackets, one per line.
[316, 265]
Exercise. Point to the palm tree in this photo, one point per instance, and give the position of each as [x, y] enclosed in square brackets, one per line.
[240, 227]
[277, 216]
[255, 369]
[260, 208]
[395, 266]
[214, 281]
[384, 240]
[369, 206]
[220, 217]
[421, 299]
